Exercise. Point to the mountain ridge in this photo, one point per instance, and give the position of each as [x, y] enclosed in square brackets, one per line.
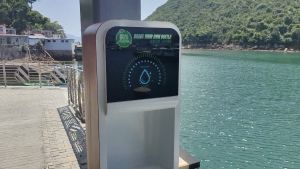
[245, 23]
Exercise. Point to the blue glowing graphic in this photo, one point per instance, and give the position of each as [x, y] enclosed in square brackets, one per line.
[145, 77]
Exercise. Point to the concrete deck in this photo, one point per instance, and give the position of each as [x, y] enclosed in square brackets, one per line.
[39, 131]
[31, 132]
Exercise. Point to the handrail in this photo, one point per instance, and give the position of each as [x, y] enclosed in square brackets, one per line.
[32, 73]
[43, 73]
[76, 91]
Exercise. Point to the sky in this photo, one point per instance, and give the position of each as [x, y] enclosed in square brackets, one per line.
[67, 12]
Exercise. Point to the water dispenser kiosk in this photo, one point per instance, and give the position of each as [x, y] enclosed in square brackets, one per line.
[131, 71]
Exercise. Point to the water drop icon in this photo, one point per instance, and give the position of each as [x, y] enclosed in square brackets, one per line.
[145, 77]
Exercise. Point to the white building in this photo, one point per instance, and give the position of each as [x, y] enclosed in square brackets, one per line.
[5, 30]
[11, 31]
[47, 33]
[60, 48]
[59, 44]
[13, 40]
[2, 29]
[35, 39]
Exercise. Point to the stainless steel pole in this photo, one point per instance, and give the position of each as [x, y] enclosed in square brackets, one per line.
[94, 11]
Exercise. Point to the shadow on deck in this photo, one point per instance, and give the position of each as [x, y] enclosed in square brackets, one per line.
[77, 138]
[76, 135]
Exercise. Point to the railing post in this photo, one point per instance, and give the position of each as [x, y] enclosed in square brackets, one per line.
[71, 87]
[4, 74]
[74, 88]
[68, 85]
[28, 70]
[40, 75]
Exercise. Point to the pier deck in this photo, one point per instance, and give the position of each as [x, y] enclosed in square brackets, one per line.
[31, 132]
[39, 131]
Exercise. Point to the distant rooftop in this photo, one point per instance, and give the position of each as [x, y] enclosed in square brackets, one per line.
[37, 36]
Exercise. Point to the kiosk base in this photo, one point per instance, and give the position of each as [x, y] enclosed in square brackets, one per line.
[141, 139]
[186, 161]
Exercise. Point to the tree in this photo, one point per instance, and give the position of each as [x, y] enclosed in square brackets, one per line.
[18, 14]
[31, 2]
[296, 37]
[241, 22]
[288, 20]
[282, 29]
[4, 8]
[275, 37]
[261, 26]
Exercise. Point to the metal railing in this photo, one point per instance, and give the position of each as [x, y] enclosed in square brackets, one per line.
[76, 91]
[42, 73]
[38, 73]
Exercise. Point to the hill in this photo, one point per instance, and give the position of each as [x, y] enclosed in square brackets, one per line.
[261, 24]
[19, 14]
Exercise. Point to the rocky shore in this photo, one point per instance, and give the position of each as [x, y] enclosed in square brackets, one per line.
[275, 48]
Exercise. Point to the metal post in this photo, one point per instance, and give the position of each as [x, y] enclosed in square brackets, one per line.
[40, 79]
[68, 84]
[93, 11]
[28, 71]
[73, 88]
[4, 74]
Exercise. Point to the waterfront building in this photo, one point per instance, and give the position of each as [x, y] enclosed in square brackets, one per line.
[11, 31]
[47, 33]
[2, 29]
[60, 48]
[5, 30]
[13, 40]
[35, 39]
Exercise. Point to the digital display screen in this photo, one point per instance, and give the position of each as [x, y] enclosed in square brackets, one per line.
[141, 63]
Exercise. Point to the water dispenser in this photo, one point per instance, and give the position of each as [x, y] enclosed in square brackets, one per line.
[131, 72]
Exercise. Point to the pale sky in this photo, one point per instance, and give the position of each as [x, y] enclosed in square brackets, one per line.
[67, 12]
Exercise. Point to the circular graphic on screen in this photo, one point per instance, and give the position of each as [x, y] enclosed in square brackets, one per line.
[144, 73]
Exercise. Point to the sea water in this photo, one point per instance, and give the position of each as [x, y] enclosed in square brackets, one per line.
[241, 109]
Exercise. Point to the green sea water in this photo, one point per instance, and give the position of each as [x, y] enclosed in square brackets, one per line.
[241, 109]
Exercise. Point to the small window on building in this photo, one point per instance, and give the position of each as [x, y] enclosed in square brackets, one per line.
[49, 40]
[67, 41]
[53, 40]
[62, 41]
[9, 40]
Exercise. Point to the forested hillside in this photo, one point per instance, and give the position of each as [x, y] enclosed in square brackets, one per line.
[19, 14]
[246, 23]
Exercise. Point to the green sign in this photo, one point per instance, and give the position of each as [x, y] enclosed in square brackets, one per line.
[123, 38]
